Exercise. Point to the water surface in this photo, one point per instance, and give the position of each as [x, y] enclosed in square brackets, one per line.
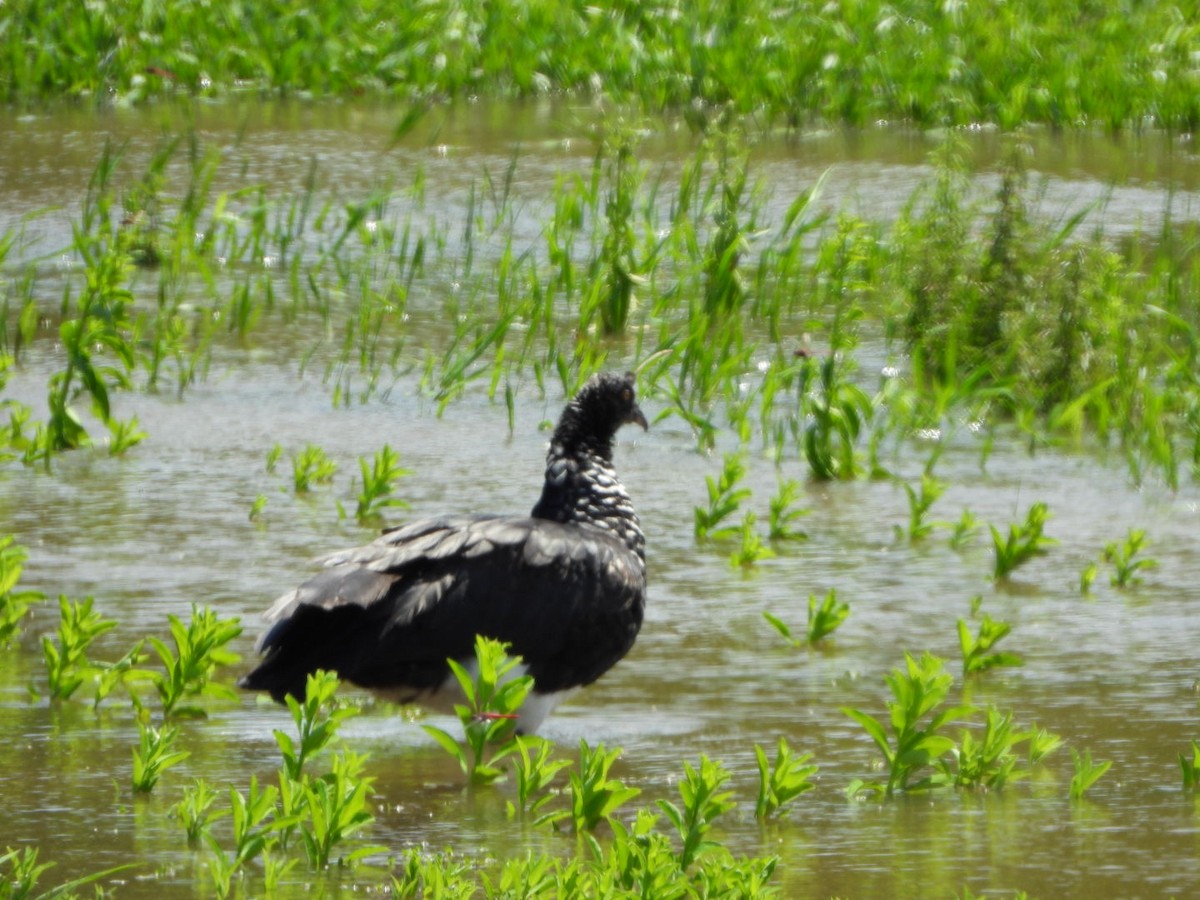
[167, 526]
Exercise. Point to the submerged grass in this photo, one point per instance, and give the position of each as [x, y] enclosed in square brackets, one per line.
[1061, 63]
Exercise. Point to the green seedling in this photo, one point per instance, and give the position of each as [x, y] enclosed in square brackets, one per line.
[311, 466]
[724, 498]
[317, 721]
[123, 435]
[67, 664]
[751, 549]
[221, 869]
[437, 876]
[336, 806]
[20, 872]
[195, 811]
[703, 801]
[1189, 767]
[963, 531]
[1087, 577]
[124, 672]
[535, 771]
[1121, 555]
[1024, 542]
[975, 648]
[783, 781]
[378, 482]
[919, 503]
[154, 754]
[274, 455]
[14, 604]
[257, 507]
[836, 412]
[199, 650]
[1041, 744]
[491, 713]
[253, 820]
[824, 618]
[920, 690]
[783, 515]
[1086, 773]
[987, 762]
[595, 796]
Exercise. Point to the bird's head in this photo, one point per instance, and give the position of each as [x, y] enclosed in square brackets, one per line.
[605, 403]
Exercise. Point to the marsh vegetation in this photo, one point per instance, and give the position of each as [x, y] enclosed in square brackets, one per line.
[895, 427]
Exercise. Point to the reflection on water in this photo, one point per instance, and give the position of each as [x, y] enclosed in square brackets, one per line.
[167, 526]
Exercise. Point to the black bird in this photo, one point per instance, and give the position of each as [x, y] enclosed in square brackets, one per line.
[565, 586]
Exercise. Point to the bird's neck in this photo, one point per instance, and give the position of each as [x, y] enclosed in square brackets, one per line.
[583, 488]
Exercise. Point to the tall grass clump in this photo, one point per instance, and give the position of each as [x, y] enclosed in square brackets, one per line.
[1069, 66]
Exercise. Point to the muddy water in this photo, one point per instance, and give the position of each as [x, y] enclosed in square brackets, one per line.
[167, 526]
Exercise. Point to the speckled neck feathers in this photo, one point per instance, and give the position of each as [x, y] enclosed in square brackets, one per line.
[581, 483]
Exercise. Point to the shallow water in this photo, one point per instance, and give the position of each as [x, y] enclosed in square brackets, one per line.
[167, 526]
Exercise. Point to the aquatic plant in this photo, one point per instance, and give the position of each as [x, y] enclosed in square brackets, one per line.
[67, 663]
[782, 513]
[1023, 543]
[781, 782]
[154, 754]
[21, 873]
[703, 802]
[257, 505]
[1189, 767]
[750, 550]
[1087, 773]
[489, 716]
[614, 271]
[199, 650]
[14, 604]
[594, 795]
[975, 648]
[724, 499]
[1100, 67]
[317, 720]
[433, 876]
[195, 810]
[378, 482]
[825, 616]
[1121, 556]
[97, 320]
[724, 287]
[254, 820]
[335, 807]
[535, 770]
[1041, 744]
[310, 466]
[987, 762]
[963, 530]
[919, 502]
[919, 690]
[836, 412]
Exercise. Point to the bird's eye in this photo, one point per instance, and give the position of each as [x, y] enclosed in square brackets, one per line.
[627, 395]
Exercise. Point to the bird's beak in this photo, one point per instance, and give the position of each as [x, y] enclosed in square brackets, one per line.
[637, 417]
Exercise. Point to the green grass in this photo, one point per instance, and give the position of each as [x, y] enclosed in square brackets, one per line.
[1047, 338]
[1070, 339]
[1061, 63]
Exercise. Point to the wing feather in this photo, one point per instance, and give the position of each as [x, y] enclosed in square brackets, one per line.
[568, 598]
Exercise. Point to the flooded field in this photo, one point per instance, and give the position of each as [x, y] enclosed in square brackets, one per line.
[167, 525]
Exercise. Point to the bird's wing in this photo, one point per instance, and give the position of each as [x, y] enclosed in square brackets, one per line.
[560, 594]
